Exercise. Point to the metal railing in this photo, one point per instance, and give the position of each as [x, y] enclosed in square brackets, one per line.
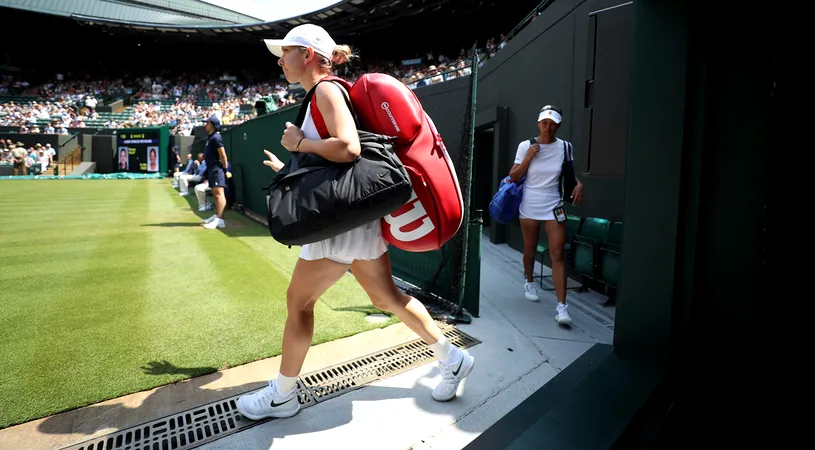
[70, 162]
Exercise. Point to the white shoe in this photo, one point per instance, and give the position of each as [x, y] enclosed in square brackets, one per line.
[531, 292]
[217, 223]
[210, 219]
[562, 315]
[452, 374]
[183, 194]
[268, 402]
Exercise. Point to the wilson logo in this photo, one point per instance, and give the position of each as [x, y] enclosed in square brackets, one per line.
[403, 220]
[387, 107]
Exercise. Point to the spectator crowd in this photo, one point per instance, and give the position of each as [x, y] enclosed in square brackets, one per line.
[26, 159]
[184, 102]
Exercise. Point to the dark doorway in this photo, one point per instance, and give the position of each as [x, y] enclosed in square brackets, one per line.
[103, 153]
[482, 187]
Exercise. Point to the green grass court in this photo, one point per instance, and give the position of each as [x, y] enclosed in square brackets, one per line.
[101, 278]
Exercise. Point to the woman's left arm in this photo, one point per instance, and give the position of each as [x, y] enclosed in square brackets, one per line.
[577, 193]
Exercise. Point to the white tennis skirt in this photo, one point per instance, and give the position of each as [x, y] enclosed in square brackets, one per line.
[539, 204]
[364, 242]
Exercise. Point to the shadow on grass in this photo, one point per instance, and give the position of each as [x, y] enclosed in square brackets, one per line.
[237, 224]
[364, 310]
[168, 368]
[173, 225]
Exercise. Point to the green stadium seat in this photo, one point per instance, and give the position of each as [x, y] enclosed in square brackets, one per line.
[610, 260]
[572, 229]
[585, 249]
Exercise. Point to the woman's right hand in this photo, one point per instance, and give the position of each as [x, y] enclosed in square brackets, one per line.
[533, 150]
[274, 162]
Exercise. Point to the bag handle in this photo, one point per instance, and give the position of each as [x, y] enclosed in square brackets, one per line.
[300, 171]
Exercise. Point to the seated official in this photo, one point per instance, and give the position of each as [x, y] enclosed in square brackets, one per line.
[201, 194]
[189, 169]
[184, 180]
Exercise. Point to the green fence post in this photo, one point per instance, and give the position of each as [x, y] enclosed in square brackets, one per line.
[462, 262]
[472, 286]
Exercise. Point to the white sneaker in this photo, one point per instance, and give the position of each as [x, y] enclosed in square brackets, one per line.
[562, 315]
[452, 374]
[210, 219]
[183, 194]
[531, 292]
[217, 223]
[268, 402]
[202, 208]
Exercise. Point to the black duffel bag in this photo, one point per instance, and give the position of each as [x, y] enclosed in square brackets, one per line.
[312, 198]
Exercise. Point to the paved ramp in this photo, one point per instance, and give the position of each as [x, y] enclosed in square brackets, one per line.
[84, 168]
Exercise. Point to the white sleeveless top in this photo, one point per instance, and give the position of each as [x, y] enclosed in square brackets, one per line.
[363, 242]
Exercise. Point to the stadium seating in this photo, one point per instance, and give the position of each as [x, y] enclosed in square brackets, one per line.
[592, 249]
[572, 229]
[610, 260]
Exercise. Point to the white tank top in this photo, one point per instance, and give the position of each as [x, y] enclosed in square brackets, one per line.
[309, 129]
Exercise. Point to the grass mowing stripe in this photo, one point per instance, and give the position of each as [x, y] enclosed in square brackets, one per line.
[58, 361]
[142, 297]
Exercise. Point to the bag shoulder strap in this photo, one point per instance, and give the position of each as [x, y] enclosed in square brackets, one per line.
[316, 116]
[567, 152]
[532, 141]
[319, 123]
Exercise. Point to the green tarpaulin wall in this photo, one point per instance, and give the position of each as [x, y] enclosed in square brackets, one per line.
[245, 144]
[90, 176]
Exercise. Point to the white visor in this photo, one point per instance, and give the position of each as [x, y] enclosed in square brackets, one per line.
[550, 114]
[307, 35]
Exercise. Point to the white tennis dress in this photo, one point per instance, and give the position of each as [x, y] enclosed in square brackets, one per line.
[540, 194]
[363, 242]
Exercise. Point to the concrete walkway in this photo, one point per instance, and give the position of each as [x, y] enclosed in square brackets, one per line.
[522, 348]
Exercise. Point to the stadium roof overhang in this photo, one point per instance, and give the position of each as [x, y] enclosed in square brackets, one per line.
[345, 19]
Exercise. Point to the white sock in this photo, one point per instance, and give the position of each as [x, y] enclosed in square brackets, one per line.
[443, 349]
[285, 384]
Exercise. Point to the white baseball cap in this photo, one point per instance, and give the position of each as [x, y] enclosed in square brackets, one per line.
[550, 114]
[308, 35]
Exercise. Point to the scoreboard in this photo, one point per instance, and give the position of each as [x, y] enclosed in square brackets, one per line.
[141, 150]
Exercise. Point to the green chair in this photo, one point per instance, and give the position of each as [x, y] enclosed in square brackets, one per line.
[572, 229]
[610, 261]
[585, 248]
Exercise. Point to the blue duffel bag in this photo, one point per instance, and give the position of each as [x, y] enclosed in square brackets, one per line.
[507, 201]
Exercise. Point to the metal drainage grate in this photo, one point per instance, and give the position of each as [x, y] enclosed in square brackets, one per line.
[344, 377]
[197, 426]
[185, 430]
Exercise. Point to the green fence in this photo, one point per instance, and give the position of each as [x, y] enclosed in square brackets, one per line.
[245, 144]
[433, 271]
[430, 271]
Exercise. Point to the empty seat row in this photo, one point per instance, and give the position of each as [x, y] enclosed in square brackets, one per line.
[593, 248]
